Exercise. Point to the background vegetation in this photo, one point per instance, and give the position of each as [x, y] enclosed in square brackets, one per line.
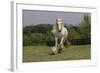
[41, 34]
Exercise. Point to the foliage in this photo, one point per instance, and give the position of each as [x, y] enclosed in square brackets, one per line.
[85, 27]
[40, 34]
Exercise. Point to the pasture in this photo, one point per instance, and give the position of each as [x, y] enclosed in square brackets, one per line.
[42, 53]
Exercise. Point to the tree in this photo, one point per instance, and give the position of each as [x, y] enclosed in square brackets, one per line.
[85, 27]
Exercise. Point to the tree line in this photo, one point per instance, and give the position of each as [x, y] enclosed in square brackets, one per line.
[40, 34]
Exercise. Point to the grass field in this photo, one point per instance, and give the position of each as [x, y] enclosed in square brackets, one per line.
[42, 53]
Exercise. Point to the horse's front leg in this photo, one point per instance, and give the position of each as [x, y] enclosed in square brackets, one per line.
[56, 42]
[62, 41]
[60, 46]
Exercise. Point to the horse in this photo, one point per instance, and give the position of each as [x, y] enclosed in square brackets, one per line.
[60, 32]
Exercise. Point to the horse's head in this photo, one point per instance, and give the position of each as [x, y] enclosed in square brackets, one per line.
[59, 24]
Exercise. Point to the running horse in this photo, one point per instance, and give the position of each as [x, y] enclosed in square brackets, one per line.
[60, 32]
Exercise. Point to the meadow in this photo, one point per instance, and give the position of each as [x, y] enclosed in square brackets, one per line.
[43, 53]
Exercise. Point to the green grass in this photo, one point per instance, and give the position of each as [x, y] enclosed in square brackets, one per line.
[42, 53]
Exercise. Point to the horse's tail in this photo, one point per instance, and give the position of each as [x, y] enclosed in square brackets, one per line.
[66, 43]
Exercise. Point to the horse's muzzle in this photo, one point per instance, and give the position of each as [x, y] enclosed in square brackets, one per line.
[59, 30]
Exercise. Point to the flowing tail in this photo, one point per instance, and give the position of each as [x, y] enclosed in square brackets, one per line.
[66, 43]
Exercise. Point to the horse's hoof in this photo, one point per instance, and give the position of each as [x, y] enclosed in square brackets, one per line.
[54, 50]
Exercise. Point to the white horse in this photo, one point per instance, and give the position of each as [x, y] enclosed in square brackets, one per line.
[61, 33]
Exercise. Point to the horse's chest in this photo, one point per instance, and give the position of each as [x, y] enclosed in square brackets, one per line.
[58, 34]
